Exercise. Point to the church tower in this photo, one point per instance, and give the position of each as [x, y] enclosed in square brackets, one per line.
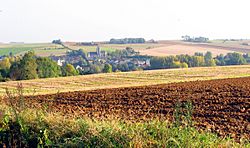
[98, 52]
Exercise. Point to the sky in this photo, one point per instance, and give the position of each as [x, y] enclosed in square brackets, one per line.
[100, 20]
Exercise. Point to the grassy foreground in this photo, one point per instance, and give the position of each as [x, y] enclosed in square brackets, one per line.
[37, 128]
[126, 79]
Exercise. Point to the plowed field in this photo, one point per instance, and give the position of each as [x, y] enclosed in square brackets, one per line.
[223, 106]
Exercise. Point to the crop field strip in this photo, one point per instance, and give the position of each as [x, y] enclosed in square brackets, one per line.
[127, 79]
[222, 106]
[42, 49]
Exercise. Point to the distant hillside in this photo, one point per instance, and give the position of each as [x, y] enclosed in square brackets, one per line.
[181, 47]
[159, 48]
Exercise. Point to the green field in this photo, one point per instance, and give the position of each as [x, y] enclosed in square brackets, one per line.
[41, 49]
[47, 49]
[126, 79]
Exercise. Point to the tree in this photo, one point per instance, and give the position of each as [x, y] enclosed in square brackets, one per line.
[209, 61]
[208, 56]
[15, 71]
[176, 64]
[57, 42]
[198, 54]
[47, 68]
[28, 66]
[212, 63]
[5, 72]
[186, 38]
[1, 77]
[107, 68]
[127, 41]
[94, 68]
[5, 63]
[123, 67]
[157, 62]
[235, 59]
[220, 60]
[69, 70]
[198, 61]
[184, 65]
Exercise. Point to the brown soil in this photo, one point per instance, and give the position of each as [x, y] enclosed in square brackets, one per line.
[222, 106]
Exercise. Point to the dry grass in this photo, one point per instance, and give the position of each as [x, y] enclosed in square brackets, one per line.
[56, 130]
[126, 79]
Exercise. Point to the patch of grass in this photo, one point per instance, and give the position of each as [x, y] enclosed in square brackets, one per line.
[39, 128]
[7, 51]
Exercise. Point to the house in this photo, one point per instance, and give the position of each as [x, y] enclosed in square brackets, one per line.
[60, 62]
[147, 63]
[79, 68]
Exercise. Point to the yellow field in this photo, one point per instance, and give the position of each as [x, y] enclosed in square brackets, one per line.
[114, 80]
[182, 49]
[217, 47]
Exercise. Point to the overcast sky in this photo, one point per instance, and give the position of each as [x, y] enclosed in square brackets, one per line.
[99, 20]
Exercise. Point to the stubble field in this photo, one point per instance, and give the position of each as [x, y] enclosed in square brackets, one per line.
[125, 79]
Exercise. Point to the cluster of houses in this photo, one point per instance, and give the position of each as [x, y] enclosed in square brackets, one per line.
[101, 57]
[98, 56]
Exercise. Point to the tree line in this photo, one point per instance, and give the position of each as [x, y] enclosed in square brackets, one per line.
[31, 67]
[199, 60]
[195, 39]
[127, 41]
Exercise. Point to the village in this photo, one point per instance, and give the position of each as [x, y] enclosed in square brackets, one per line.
[124, 60]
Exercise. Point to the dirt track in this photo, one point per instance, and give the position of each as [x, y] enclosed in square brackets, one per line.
[223, 106]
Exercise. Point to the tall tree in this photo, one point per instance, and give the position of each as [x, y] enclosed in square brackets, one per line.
[47, 68]
[28, 66]
[69, 70]
[5, 63]
[209, 61]
[235, 59]
[15, 71]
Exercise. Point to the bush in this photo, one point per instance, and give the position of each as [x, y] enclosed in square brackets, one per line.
[107, 68]
[184, 65]
[69, 70]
